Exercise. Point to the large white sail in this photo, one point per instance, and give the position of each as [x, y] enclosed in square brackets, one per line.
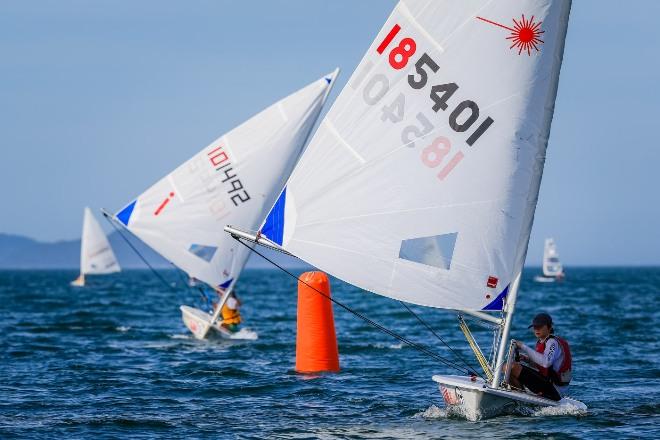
[235, 179]
[421, 182]
[96, 256]
[552, 267]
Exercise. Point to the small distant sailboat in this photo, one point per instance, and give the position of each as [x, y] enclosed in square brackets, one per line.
[421, 182]
[237, 178]
[552, 267]
[96, 256]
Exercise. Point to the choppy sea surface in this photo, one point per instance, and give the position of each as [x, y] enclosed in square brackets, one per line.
[114, 360]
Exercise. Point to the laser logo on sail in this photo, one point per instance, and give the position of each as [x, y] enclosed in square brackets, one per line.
[525, 34]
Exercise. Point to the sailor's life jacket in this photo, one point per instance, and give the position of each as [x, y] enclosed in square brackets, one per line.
[230, 316]
[564, 375]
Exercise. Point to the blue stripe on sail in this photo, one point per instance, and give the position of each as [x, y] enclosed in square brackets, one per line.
[498, 303]
[226, 283]
[125, 214]
[274, 225]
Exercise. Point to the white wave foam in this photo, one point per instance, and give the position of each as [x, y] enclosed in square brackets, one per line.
[390, 346]
[180, 337]
[568, 408]
[123, 328]
[245, 334]
[433, 412]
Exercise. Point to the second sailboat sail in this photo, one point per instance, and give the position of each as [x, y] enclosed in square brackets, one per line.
[235, 179]
[96, 255]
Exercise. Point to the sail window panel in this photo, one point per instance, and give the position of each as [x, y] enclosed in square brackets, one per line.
[436, 251]
[206, 253]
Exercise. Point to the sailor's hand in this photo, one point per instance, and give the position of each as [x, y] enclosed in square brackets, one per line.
[519, 344]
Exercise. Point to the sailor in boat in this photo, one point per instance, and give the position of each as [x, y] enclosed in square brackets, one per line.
[550, 360]
[230, 314]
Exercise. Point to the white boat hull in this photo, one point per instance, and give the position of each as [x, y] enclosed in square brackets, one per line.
[78, 282]
[544, 279]
[199, 324]
[476, 400]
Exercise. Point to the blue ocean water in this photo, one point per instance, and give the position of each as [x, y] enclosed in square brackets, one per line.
[113, 360]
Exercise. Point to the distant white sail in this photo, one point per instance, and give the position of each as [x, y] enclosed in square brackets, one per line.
[235, 179]
[552, 267]
[422, 181]
[96, 256]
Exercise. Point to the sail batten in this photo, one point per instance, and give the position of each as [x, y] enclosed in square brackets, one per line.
[421, 182]
[235, 179]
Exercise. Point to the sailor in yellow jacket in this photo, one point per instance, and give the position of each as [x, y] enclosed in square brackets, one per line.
[231, 316]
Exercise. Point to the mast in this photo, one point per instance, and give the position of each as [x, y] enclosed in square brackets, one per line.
[221, 303]
[506, 329]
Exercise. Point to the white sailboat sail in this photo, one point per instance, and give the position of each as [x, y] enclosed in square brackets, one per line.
[422, 181]
[96, 255]
[234, 179]
[552, 267]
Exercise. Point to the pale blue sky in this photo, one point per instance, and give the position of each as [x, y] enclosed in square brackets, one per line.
[99, 99]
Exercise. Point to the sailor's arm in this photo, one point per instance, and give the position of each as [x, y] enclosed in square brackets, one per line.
[544, 359]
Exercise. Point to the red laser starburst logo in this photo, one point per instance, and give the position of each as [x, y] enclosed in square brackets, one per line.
[525, 34]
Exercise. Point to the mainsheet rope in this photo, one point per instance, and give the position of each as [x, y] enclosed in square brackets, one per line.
[368, 320]
[155, 272]
[182, 276]
[457, 354]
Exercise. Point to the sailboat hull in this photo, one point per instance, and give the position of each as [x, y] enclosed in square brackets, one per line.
[199, 324]
[476, 400]
[78, 282]
[544, 279]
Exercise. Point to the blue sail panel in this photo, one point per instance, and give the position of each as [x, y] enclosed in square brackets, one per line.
[125, 214]
[273, 228]
[498, 303]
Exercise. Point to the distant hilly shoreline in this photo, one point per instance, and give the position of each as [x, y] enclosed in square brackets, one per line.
[18, 252]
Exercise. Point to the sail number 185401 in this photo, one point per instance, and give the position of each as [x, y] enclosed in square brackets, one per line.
[463, 115]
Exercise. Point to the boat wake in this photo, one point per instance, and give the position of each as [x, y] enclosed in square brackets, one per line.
[245, 334]
[433, 412]
[565, 409]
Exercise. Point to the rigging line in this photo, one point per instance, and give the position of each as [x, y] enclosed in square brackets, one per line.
[457, 354]
[380, 327]
[144, 260]
[185, 283]
[179, 273]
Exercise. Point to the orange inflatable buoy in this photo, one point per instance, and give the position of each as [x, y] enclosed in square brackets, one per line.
[316, 341]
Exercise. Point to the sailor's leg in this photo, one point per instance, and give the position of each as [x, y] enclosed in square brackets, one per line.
[516, 368]
[537, 383]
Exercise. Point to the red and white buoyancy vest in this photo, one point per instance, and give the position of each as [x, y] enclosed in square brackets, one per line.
[564, 375]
